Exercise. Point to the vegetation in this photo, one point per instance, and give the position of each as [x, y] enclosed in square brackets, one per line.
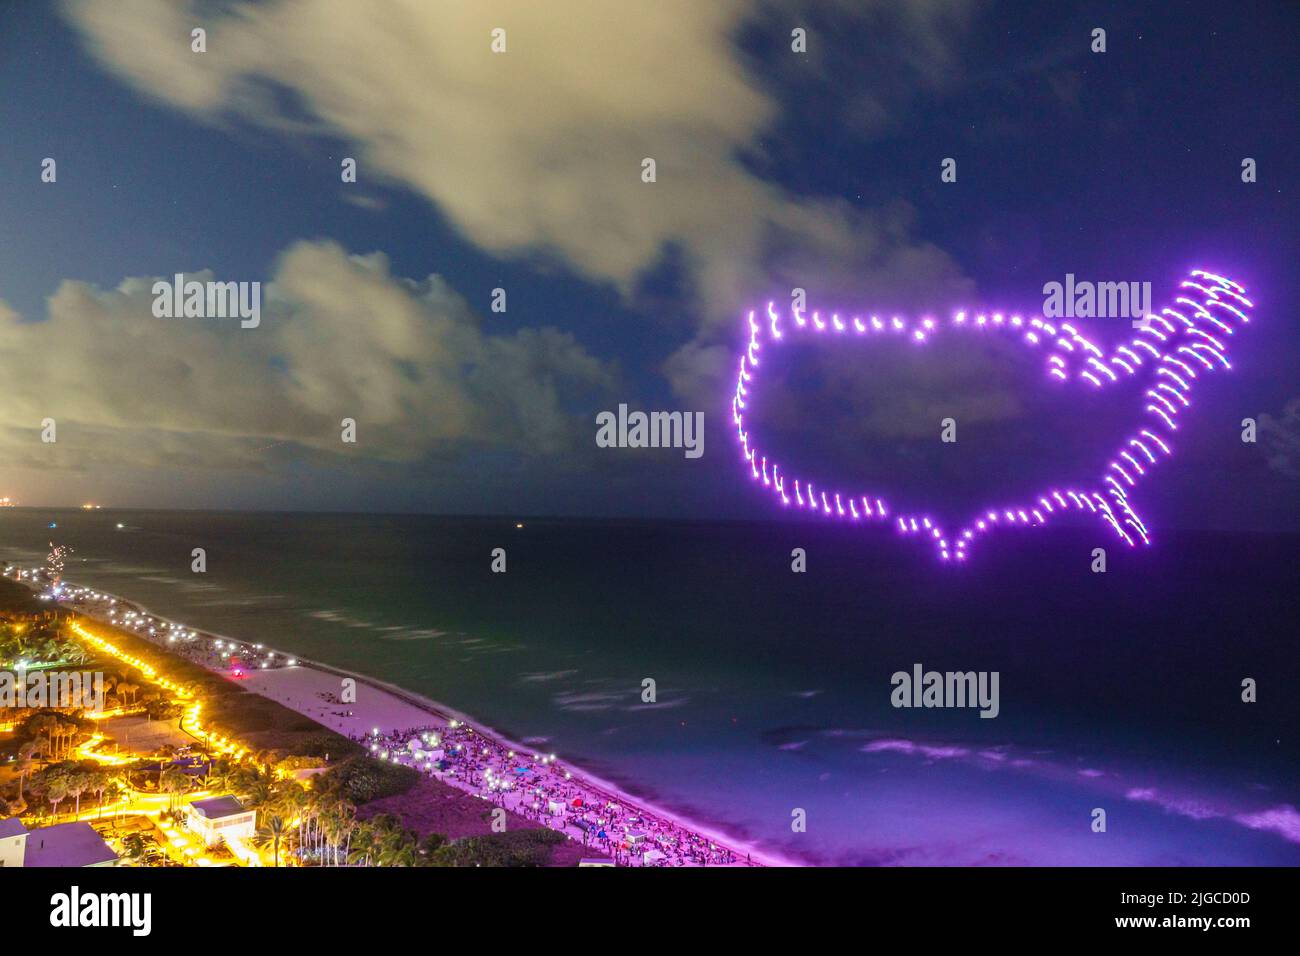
[159, 709]
[362, 779]
[71, 780]
[514, 848]
[51, 733]
[36, 641]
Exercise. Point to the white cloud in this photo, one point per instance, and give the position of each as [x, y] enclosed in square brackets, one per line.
[340, 337]
[537, 151]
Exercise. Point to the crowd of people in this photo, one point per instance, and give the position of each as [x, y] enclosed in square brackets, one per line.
[538, 788]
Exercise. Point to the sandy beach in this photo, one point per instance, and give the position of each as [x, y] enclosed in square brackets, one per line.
[399, 725]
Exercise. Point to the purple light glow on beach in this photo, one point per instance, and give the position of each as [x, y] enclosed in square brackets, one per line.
[1173, 793]
[1171, 348]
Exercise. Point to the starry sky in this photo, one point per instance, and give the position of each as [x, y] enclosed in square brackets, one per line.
[522, 171]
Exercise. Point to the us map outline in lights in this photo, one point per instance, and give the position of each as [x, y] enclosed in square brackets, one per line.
[1170, 350]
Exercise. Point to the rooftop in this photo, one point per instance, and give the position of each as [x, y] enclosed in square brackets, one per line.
[67, 844]
[218, 807]
[11, 827]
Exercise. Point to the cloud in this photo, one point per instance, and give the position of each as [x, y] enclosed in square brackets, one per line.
[537, 151]
[1283, 820]
[341, 337]
[1281, 437]
[362, 201]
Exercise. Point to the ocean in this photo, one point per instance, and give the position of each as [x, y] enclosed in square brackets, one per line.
[1118, 692]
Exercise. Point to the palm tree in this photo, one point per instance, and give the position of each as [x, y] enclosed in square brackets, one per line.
[112, 793]
[100, 782]
[25, 764]
[78, 783]
[394, 845]
[401, 851]
[64, 730]
[173, 782]
[336, 827]
[41, 727]
[221, 774]
[72, 652]
[55, 791]
[365, 842]
[258, 794]
[272, 832]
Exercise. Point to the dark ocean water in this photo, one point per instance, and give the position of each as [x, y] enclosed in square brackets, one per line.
[1118, 691]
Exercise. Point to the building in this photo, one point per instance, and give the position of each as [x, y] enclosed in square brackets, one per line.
[13, 839]
[65, 844]
[220, 818]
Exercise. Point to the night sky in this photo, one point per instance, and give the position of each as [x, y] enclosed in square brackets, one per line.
[522, 171]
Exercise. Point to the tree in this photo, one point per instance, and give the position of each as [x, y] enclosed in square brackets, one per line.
[432, 843]
[257, 794]
[24, 765]
[103, 786]
[55, 791]
[173, 782]
[134, 846]
[78, 783]
[272, 832]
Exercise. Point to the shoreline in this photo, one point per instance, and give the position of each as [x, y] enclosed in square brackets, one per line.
[745, 853]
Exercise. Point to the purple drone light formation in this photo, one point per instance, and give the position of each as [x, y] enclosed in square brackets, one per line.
[1172, 348]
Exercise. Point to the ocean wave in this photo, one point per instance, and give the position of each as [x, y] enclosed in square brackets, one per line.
[591, 701]
[538, 677]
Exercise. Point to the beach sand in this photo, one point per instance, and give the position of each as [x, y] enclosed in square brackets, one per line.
[389, 709]
[300, 688]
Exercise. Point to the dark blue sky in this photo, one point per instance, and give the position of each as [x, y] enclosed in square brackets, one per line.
[776, 169]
